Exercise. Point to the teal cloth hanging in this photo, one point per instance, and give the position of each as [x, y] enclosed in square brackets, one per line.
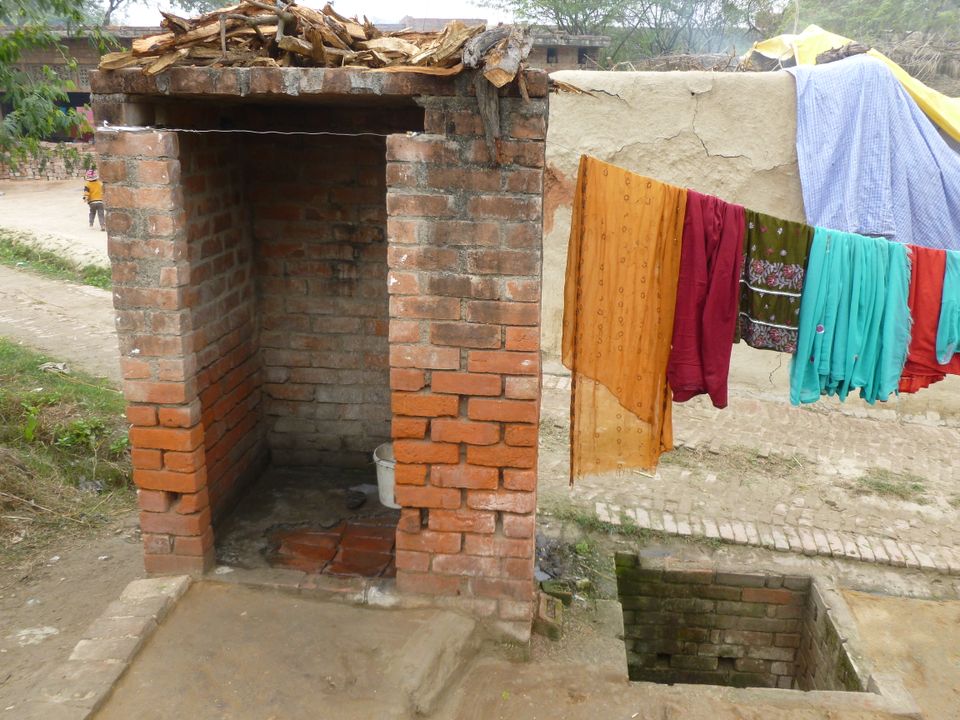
[948, 331]
[854, 318]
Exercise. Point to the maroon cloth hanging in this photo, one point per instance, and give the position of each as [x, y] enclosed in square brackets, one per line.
[708, 298]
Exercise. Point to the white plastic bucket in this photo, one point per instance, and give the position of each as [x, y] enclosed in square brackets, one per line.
[385, 460]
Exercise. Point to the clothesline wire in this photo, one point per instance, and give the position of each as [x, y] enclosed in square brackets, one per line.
[147, 128]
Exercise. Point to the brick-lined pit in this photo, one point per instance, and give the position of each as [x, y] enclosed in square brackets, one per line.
[735, 629]
[301, 300]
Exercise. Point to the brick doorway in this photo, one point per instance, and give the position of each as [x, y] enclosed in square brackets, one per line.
[292, 301]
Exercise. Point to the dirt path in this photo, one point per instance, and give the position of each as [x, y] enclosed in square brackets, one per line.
[45, 609]
[53, 212]
[70, 322]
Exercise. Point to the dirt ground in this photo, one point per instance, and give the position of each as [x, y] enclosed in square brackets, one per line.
[918, 640]
[54, 213]
[46, 606]
[67, 321]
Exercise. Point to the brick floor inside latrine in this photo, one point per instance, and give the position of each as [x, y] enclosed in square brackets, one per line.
[313, 520]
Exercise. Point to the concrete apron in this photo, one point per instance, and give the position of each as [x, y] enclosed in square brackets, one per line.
[224, 649]
[229, 650]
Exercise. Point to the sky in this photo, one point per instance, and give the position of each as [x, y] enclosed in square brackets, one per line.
[382, 10]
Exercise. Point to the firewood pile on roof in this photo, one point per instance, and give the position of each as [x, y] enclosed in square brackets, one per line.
[259, 34]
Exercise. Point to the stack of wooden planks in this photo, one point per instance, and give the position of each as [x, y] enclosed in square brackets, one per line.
[260, 34]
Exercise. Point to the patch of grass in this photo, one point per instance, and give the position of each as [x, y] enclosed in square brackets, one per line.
[886, 483]
[17, 252]
[737, 461]
[591, 524]
[64, 461]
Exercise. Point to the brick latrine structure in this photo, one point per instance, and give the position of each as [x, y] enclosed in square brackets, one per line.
[301, 299]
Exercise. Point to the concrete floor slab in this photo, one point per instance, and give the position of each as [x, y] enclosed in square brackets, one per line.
[242, 653]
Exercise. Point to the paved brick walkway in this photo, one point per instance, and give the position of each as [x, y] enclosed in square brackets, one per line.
[811, 480]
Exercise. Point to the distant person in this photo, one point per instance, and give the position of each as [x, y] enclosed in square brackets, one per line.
[93, 196]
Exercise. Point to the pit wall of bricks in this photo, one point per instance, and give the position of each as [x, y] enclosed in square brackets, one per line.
[56, 162]
[375, 289]
[465, 275]
[740, 630]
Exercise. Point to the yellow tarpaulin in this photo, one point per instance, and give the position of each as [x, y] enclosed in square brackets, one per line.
[805, 47]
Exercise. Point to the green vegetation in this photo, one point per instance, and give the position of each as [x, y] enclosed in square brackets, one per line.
[16, 252]
[64, 463]
[738, 461]
[885, 483]
[868, 20]
[590, 524]
[36, 98]
[648, 28]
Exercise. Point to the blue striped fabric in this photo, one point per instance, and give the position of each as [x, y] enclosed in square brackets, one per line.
[871, 162]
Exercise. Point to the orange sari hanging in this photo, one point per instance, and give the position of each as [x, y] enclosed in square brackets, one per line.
[621, 288]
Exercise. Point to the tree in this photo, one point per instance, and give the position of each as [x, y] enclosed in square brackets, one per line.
[577, 17]
[645, 28]
[104, 11]
[36, 99]
[869, 19]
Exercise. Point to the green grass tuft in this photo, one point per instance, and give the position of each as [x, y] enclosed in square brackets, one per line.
[886, 483]
[16, 252]
[64, 457]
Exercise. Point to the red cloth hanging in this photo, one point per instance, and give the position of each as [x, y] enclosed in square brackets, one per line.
[926, 291]
[708, 298]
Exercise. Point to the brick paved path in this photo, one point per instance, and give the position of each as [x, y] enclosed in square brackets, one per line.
[767, 474]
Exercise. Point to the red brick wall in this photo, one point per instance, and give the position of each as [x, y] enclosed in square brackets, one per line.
[257, 266]
[150, 252]
[223, 314]
[465, 264]
[320, 229]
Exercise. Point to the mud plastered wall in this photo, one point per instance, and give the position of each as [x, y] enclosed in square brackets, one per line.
[727, 134]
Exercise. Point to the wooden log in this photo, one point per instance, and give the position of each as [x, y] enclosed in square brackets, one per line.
[315, 37]
[322, 23]
[488, 101]
[118, 60]
[502, 63]
[159, 44]
[175, 23]
[422, 70]
[388, 45]
[498, 52]
[370, 29]
[447, 47]
[353, 27]
[296, 45]
[165, 61]
[480, 45]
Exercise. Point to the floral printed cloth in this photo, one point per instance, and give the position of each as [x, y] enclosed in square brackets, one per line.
[775, 257]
